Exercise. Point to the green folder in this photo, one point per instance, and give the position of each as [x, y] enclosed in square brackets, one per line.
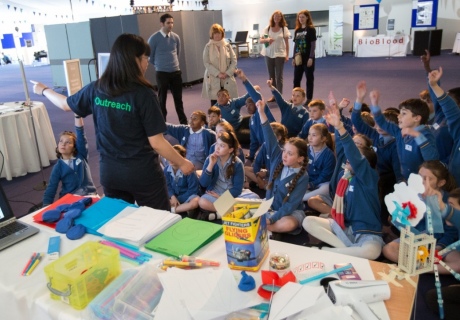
[184, 237]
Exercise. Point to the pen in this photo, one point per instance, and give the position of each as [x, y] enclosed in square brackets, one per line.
[34, 265]
[181, 263]
[28, 264]
[325, 274]
[205, 262]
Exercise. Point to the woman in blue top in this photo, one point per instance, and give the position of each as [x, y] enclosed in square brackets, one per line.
[356, 229]
[72, 168]
[288, 180]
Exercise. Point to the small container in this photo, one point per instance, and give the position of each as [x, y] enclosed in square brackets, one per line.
[279, 262]
[77, 277]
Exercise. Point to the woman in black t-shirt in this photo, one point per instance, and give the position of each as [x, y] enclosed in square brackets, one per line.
[304, 44]
[128, 123]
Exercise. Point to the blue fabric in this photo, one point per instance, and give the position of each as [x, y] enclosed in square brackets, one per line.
[231, 111]
[320, 170]
[182, 132]
[256, 134]
[184, 187]
[412, 151]
[255, 129]
[64, 225]
[76, 232]
[77, 180]
[361, 201]
[452, 113]
[306, 128]
[280, 187]
[52, 215]
[292, 117]
[387, 153]
[209, 179]
[165, 51]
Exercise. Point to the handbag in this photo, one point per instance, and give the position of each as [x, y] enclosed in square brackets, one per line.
[298, 59]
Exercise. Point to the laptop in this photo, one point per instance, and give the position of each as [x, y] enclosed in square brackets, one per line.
[12, 230]
[241, 37]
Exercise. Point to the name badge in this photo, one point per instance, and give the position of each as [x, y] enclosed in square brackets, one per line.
[435, 126]
[310, 161]
[350, 188]
[375, 149]
[78, 162]
[287, 184]
[183, 138]
[300, 116]
[233, 111]
[252, 122]
[408, 147]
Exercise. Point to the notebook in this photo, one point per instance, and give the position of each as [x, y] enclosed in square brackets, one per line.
[12, 230]
[184, 237]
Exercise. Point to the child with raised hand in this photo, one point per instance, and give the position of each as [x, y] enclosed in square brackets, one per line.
[260, 169]
[194, 137]
[222, 171]
[355, 228]
[388, 165]
[449, 103]
[437, 119]
[183, 190]
[72, 169]
[288, 179]
[321, 160]
[415, 142]
[438, 182]
[293, 115]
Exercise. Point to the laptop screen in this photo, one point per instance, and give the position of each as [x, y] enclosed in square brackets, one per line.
[241, 36]
[5, 210]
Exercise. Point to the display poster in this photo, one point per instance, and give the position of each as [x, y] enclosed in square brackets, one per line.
[335, 46]
[73, 76]
[424, 13]
[366, 17]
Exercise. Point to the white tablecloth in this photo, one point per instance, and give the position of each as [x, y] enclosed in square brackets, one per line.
[17, 139]
[28, 298]
[456, 48]
[382, 46]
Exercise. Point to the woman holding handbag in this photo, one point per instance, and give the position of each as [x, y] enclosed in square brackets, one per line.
[304, 52]
[275, 39]
[220, 62]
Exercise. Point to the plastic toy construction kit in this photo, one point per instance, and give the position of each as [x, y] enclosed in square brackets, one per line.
[417, 252]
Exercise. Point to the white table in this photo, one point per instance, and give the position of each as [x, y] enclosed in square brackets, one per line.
[456, 48]
[28, 298]
[382, 46]
[17, 139]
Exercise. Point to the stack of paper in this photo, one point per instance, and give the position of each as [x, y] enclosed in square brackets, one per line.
[138, 225]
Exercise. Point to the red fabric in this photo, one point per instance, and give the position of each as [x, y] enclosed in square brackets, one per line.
[337, 206]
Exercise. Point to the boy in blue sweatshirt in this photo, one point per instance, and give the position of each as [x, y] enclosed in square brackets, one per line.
[194, 137]
[449, 104]
[255, 127]
[415, 142]
[293, 115]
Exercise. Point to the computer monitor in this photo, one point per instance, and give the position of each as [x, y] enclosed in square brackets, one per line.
[102, 61]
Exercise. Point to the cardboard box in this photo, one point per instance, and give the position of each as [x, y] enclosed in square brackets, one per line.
[246, 240]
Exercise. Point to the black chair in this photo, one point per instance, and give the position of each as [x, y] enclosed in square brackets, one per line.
[241, 41]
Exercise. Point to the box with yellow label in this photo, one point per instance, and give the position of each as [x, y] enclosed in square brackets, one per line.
[245, 236]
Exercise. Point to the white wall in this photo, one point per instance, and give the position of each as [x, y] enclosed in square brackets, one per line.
[240, 15]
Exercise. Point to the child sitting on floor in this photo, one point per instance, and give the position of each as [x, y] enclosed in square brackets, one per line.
[72, 168]
[355, 228]
[183, 190]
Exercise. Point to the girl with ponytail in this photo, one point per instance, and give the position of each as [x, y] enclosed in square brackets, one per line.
[288, 179]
